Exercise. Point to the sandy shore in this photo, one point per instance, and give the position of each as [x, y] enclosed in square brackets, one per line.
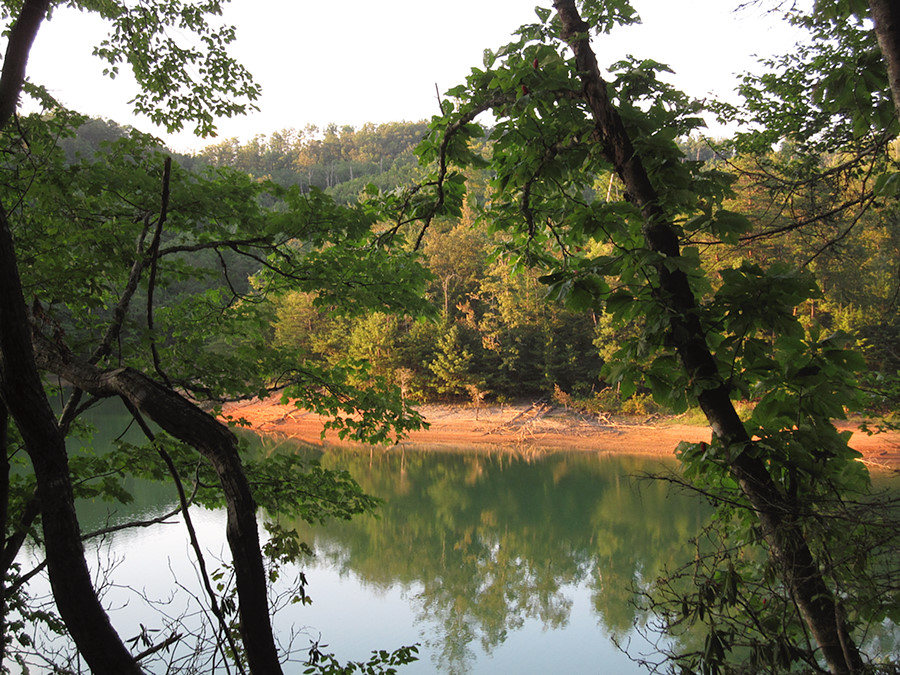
[532, 426]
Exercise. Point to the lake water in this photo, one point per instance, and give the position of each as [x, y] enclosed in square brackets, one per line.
[493, 562]
[497, 562]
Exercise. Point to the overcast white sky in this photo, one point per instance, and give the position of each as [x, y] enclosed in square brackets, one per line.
[361, 61]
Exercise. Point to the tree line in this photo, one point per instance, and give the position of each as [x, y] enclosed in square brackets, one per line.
[491, 332]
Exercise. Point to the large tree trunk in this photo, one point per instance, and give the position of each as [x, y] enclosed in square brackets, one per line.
[787, 545]
[185, 421]
[886, 19]
[23, 394]
[18, 48]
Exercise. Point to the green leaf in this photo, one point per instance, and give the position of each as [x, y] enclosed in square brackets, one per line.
[888, 185]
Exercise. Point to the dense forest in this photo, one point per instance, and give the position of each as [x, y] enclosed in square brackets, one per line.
[490, 332]
[558, 230]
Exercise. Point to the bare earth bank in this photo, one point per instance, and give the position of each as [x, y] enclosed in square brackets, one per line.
[532, 426]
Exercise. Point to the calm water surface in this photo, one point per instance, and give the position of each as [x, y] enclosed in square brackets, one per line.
[499, 562]
[493, 562]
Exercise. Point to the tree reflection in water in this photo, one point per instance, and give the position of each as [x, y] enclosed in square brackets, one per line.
[490, 540]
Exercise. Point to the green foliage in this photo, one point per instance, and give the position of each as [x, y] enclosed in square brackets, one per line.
[452, 364]
[381, 662]
[286, 486]
[602, 17]
[376, 414]
[830, 91]
[496, 331]
[178, 55]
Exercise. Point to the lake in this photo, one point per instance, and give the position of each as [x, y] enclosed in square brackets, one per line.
[491, 561]
[497, 562]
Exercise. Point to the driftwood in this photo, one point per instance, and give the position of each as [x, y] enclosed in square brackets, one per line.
[535, 411]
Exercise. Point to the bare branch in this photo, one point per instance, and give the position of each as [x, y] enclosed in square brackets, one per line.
[153, 255]
[192, 533]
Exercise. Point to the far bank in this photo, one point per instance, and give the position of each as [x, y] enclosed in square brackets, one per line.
[533, 426]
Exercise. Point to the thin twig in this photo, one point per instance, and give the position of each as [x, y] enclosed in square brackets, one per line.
[153, 254]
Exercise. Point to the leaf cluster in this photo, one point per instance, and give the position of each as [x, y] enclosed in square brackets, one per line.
[381, 662]
[178, 54]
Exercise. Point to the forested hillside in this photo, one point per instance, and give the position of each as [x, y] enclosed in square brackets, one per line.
[491, 333]
[341, 160]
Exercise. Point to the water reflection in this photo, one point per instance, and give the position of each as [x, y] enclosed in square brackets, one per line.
[492, 544]
[494, 561]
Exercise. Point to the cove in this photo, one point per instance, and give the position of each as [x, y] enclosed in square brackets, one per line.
[503, 561]
[498, 561]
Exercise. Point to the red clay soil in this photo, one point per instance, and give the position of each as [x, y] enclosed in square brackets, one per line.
[535, 427]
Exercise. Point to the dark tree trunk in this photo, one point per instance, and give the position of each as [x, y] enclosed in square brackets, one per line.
[18, 48]
[185, 421]
[886, 18]
[23, 394]
[787, 545]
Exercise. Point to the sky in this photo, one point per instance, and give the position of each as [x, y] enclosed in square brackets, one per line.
[359, 61]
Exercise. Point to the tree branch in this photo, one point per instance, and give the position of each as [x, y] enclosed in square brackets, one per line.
[189, 424]
[153, 254]
[121, 309]
[192, 533]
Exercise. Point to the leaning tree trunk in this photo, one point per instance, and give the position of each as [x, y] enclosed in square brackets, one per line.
[886, 20]
[186, 422]
[787, 544]
[23, 395]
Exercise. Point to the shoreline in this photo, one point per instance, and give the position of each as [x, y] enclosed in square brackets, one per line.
[531, 427]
